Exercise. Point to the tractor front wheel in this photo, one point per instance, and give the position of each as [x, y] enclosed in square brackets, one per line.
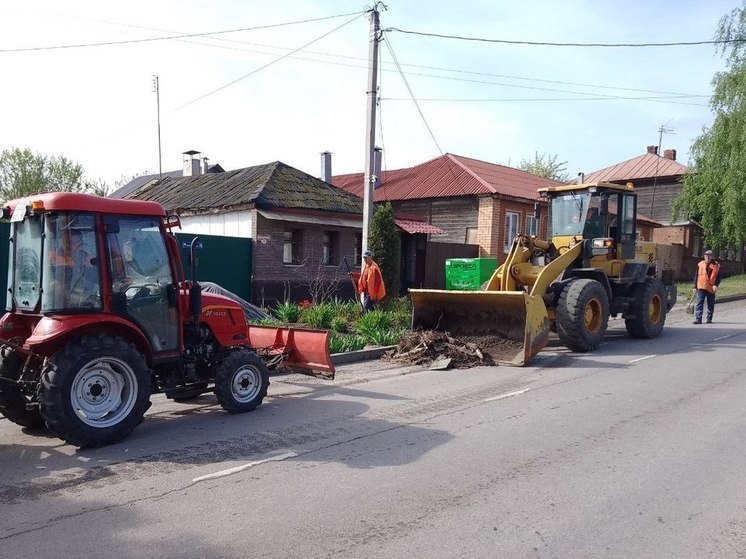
[582, 315]
[95, 391]
[241, 381]
[648, 309]
[14, 404]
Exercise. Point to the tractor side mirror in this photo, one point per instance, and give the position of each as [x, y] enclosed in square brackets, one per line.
[537, 211]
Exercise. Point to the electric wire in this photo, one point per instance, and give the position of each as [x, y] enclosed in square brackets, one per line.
[265, 66]
[172, 37]
[553, 44]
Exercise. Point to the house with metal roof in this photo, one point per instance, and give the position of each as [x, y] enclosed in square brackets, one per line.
[474, 208]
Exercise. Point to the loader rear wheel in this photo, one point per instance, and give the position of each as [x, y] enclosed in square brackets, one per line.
[95, 391]
[241, 381]
[648, 309]
[13, 402]
[582, 315]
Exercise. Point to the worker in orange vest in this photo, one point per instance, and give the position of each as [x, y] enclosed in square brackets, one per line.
[706, 281]
[369, 282]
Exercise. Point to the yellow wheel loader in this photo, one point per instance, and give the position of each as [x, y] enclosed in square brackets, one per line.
[590, 268]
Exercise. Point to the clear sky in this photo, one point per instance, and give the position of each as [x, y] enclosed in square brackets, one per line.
[281, 91]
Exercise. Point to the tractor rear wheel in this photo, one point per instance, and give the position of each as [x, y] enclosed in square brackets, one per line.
[95, 391]
[648, 309]
[241, 381]
[582, 315]
[13, 402]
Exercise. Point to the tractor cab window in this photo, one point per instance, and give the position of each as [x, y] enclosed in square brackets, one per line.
[569, 214]
[25, 262]
[141, 277]
[70, 280]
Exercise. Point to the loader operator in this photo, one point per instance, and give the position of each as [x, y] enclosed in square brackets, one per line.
[80, 279]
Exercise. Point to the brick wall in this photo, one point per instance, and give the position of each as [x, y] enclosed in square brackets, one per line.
[273, 279]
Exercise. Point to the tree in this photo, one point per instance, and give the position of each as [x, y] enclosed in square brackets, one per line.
[385, 243]
[714, 191]
[547, 166]
[23, 173]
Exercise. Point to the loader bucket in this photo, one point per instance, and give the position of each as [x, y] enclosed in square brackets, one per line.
[299, 348]
[512, 315]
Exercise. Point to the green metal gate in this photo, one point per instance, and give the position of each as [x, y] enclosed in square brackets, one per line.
[222, 260]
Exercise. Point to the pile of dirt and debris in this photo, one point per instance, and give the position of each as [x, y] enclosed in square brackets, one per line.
[441, 350]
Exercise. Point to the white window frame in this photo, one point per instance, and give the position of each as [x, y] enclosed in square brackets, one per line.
[532, 225]
[511, 229]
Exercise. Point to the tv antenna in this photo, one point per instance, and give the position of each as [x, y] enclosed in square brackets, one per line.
[157, 91]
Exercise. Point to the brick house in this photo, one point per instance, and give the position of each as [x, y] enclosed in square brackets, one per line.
[301, 226]
[471, 202]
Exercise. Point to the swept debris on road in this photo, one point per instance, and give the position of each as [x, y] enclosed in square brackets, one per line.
[429, 347]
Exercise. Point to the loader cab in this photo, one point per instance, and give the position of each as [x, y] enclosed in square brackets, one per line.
[602, 214]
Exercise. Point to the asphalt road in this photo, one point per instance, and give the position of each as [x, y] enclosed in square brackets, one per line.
[636, 450]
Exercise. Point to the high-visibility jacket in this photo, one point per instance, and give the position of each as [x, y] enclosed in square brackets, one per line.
[708, 276]
[371, 280]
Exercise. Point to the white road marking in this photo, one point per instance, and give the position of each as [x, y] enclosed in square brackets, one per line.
[723, 337]
[236, 469]
[508, 395]
[641, 358]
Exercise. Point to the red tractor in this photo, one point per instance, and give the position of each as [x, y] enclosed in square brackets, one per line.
[99, 317]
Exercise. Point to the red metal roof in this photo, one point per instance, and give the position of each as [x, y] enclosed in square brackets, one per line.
[646, 166]
[448, 175]
[411, 226]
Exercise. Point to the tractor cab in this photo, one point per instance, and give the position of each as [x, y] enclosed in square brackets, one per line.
[65, 262]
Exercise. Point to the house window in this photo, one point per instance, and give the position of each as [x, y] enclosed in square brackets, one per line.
[328, 257]
[291, 246]
[531, 225]
[471, 236]
[511, 230]
[358, 257]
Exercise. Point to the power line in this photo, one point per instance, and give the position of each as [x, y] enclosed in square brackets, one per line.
[174, 37]
[551, 99]
[551, 44]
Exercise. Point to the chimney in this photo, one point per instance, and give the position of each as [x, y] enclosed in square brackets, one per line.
[653, 150]
[191, 164]
[326, 166]
[581, 178]
[205, 165]
[377, 156]
[670, 154]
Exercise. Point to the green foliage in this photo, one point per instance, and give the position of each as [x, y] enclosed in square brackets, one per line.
[713, 191]
[340, 343]
[318, 316]
[372, 322]
[385, 337]
[23, 172]
[287, 312]
[340, 324]
[546, 166]
[385, 243]
[349, 310]
[265, 322]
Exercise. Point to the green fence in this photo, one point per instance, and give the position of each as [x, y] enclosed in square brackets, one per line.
[222, 260]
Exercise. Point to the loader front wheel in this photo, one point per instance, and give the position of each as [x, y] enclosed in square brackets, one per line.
[241, 381]
[582, 315]
[95, 390]
[14, 404]
[648, 309]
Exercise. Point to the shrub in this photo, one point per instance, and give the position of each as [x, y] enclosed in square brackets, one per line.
[340, 343]
[372, 322]
[319, 316]
[287, 312]
[340, 324]
[386, 337]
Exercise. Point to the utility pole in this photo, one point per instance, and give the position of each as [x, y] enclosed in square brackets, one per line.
[370, 128]
[157, 90]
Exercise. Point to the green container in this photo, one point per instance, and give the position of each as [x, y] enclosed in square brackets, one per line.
[468, 274]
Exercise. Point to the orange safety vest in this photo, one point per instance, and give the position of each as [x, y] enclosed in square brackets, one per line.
[371, 280]
[706, 278]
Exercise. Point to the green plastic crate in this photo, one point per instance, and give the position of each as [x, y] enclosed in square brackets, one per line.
[468, 274]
